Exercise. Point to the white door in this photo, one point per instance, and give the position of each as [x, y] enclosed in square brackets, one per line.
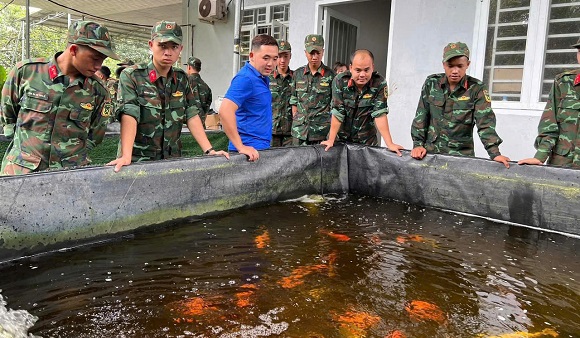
[340, 35]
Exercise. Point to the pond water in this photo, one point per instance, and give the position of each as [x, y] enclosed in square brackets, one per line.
[350, 266]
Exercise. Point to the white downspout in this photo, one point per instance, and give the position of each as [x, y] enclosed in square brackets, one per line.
[237, 9]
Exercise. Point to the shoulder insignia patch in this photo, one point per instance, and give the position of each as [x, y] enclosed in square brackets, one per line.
[107, 110]
[486, 94]
[386, 92]
[112, 91]
[87, 106]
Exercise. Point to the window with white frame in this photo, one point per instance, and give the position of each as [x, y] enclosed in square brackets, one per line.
[563, 31]
[272, 19]
[527, 44]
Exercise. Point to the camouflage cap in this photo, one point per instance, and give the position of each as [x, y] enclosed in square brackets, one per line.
[125, 63]
[313, 42]
[283, 46]
[455, 49]
[91, 34]
[194, 62]
[577, 44]
[165, 31]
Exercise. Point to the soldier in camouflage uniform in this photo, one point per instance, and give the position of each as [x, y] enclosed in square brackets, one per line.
[451, 104]
[280, 81]
[155, 100]
[55, 110]
[111, 84]
[359, 105]
[197, 83]
[115, 82]
[311, 95]
[558, 139]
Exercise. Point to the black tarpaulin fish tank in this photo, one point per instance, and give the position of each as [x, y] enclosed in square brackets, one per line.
[390, 251]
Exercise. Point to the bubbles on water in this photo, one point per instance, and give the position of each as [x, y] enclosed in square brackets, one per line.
[15, 323]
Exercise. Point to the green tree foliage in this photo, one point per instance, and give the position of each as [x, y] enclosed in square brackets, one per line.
[2, 76]
[47, 39]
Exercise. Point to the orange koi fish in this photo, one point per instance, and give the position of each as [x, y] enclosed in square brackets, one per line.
[297, 276]
[194, 306]
[396, 334]
[424, 311]
[416, 238]
[331, 259]
[243, 298]
[262, 240]
[542, 334]
[355, 323]
[335, 236]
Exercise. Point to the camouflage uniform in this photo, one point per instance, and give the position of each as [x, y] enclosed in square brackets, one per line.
[160, 105]
[280, 87]
[357, 110]
[52, 120]
[444, 120]
[558, 138]
[205, 96]
[112, 86]
[311, 93]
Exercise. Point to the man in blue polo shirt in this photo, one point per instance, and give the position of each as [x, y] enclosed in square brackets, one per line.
[246, 111]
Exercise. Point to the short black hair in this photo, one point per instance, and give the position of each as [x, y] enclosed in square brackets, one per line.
[118, 71]
[338, 64]
[105, 71]
[362, 51]
[263, 40]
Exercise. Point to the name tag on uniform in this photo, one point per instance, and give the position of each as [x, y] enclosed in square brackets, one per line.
[177, 94]
[463, 98]
[38, 95]
[367, 96]
[145, 92]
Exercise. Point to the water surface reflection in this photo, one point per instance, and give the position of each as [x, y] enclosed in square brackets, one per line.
[348, 267]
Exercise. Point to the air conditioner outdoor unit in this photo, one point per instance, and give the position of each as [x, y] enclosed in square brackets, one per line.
[212, 10]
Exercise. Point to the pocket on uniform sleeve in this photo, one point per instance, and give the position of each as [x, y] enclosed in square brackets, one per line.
[20, 162]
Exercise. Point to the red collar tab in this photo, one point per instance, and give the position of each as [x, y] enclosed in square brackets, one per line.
[319, 70]
[350, 83]
[577, 80]
[52, 72]
[465, 84]
[152, 76]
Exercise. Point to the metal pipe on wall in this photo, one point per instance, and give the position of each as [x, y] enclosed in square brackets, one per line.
[237, 22]
[27, 29]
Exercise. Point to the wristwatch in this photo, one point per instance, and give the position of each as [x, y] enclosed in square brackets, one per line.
[208, 151]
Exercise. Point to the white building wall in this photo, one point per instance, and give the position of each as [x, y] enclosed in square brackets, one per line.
[213, 45]
[419, 31]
